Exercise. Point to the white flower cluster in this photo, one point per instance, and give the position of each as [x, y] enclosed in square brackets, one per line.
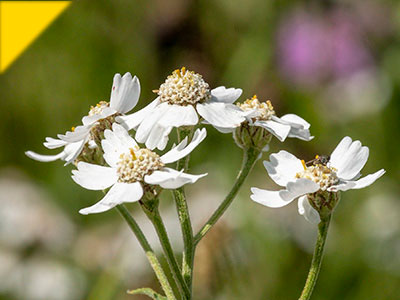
[106, 156]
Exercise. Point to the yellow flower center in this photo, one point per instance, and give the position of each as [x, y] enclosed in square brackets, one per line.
[184, 87]
[137, 163]
[98, 108]
[321, 174]
[264, 110]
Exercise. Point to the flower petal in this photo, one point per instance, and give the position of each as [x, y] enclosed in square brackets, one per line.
[349, 158]
[282, 167]
[169, 178]
[45, 158]
[358, 184]
[116, 141]
[182, 150]
[145, 127]
[221, 114]
[281, 131]
[295, 121]
[281, 198]
[178, 115]
[306, 210]
[79, 133]
[119, 193]
[222, 94]
[299, 128]
[133, 120]
[54, 143]
[72, 151]
[124, 93]
[94, 177]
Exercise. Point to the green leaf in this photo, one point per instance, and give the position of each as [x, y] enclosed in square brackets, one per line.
[148, 292]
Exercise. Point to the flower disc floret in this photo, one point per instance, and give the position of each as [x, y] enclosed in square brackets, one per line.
[98, 108]
[137, 163]
[323, 175]
[264, 110]
[184, 87]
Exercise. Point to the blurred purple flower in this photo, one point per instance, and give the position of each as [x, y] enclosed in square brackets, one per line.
[313, 48]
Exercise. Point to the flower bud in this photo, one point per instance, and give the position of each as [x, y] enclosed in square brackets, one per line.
[247, 136]
[324, 202]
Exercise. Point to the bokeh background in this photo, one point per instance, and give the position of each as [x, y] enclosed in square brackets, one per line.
[335, 63]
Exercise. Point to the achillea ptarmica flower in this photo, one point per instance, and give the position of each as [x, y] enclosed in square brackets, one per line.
[181, 99]
[81, 142]
[261, 115]
[317, 184]
[133, 170]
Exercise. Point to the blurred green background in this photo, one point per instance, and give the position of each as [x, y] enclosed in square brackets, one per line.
[335, 63]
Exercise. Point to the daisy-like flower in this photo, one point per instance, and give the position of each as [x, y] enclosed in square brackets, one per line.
[84, 139]
[132, 170]
[261, 115]
[316, 184]
[182, 98]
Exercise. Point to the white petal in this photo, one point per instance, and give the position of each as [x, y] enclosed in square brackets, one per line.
[80, 133]
[282, 167]
[221, 114]
[145, 127]
[90, 120]
[306, 210]
[157, 134]
[116, 141]
[164, 140]
[182, 150]
[222, 129]
[281, 198]
[279, 130]
[124, 93]
[45, 158]
[178, 115]
[296, 121]
[171, 179]
[119, 193]
[299, 128]
[358, 184]
[94, 177]
[133, 120]
[349, 158]
[222, 94]
[72, 151]
[54, 143]
[268, 198]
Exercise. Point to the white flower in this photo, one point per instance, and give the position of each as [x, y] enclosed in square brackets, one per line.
[131, 169]
[182, 98]
[124, 96]
[262, 114]
[340, 173]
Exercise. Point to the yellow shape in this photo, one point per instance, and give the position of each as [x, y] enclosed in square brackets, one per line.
[21, 22]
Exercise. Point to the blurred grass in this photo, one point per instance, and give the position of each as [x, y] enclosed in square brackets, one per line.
[70, 67]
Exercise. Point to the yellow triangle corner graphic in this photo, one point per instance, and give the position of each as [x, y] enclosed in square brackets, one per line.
[21, 22]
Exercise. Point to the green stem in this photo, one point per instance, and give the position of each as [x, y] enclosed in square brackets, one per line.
[184, 218]
[317, 259]
[155, 264]
[156, 219]
[249, 158]
[187, 232]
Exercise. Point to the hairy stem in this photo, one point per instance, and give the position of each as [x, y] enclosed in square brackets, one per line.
[249, 158]
[155, 264]
[317, 259]
[159, 226]
[184, 218]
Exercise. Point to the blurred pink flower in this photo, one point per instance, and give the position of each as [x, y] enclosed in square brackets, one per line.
[313, 48]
